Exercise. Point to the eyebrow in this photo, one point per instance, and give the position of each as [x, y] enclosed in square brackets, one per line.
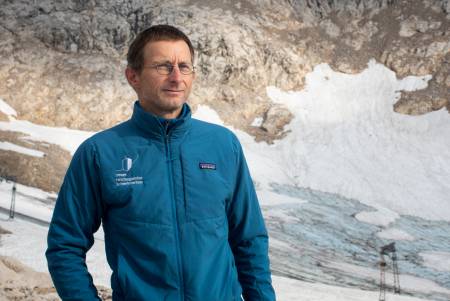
[169, 62]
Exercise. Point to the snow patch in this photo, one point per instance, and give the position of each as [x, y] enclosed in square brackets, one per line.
[28, 191]
[380, 217]
[20, 149]
[65, 138]
[207, 114]
[7, 109]
[395, 234]
[29, 201]
[257, 122]
[28, 243]
[345, 138]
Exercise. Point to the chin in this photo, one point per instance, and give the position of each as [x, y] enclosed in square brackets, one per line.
[172, 106]
[175, 104]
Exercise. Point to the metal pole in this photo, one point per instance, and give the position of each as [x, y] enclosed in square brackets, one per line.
[13, 202]
[396, 274]
[382, 279]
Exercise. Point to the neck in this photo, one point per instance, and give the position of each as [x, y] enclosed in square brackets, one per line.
[160, 113]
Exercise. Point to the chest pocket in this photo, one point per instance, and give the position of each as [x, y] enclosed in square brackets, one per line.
[136, 190]
[206, 189]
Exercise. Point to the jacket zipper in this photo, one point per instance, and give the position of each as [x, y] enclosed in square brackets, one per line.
[174, 209]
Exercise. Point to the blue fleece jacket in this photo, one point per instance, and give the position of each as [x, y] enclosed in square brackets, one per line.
[179, 211]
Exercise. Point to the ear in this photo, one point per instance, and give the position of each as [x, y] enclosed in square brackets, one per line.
[133, 78]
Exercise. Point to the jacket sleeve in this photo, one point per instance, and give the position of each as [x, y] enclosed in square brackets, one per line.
[76, 217]
[248, 236]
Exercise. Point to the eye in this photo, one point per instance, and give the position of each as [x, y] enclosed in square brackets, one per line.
[185, 68]
[164, 67]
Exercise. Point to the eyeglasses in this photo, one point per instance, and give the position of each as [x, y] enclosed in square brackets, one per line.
[166, 69]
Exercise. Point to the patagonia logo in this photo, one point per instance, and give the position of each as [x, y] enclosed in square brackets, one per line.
[207, 165]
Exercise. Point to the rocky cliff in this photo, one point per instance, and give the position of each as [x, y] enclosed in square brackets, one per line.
[62, 63]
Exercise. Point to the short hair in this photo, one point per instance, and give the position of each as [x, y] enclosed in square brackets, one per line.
[135, 56]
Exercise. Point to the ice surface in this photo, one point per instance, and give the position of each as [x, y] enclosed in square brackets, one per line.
[407, 282]
[27, 243]
[437, 260]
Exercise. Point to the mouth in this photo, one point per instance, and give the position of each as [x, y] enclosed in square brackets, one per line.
[173, 93]
[173, 90]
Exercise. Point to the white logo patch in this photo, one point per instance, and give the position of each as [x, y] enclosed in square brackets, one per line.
[121, 174]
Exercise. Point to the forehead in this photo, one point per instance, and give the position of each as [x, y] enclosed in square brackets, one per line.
[167, 51]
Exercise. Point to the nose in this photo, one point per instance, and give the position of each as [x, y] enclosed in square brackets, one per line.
[175, 75]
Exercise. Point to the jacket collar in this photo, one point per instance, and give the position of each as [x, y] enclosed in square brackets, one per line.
[158, 126]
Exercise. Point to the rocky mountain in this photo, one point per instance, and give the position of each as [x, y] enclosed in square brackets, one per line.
[62, 62]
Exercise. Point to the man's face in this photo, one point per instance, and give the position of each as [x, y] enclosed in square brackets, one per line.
[163, 95]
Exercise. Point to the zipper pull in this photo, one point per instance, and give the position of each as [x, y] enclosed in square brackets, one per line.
[167, 127]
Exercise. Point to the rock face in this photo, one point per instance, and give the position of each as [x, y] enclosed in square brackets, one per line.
[19, 282]
[62, 63]
[3, 117]
[46, 172]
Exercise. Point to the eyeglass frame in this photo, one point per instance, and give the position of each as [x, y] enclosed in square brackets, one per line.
[170, 69]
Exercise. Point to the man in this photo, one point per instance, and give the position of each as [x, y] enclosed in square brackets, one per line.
[179, 210]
